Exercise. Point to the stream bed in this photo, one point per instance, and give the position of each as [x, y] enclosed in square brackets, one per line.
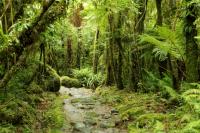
[87, 114]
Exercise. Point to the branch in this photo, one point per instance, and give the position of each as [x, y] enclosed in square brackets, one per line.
[5, 10]
[29, 36]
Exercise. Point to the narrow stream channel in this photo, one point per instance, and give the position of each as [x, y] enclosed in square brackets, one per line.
[87, 114]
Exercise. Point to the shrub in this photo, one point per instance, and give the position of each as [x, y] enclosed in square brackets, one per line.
[70, 82]
[34, 89]
[17, 111]
[88, 78]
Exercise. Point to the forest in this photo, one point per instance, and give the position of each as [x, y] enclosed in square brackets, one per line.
[99, 66]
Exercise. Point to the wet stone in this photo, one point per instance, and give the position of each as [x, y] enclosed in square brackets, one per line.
[107, 124]
[90, 121]
[114, 112]
[106, 116]
[79, 126]
[87, 114]
[86, 107]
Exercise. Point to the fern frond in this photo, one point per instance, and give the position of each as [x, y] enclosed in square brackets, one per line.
[192, 127]
[192, 91]
[166, 42]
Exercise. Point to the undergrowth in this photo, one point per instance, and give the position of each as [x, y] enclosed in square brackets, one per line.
[150, 112]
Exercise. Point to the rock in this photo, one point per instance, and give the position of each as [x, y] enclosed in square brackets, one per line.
[116, 119]
[107, 124]
[90, 121]
[106, 116]
[98, 131]
[79, 126]
[70, 82]
[86, 107]
[114, 112]
[112, 130]
[75, 100]
[52, 80]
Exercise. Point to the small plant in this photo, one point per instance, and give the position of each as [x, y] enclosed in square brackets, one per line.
[87, 78]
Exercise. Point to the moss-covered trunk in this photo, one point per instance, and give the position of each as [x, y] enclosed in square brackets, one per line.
[191, 44]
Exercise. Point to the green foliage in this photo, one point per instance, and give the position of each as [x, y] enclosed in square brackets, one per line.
[3, 38]
[51, 81]
[34, 88]
[7, 128]
[16, 112]
[54, 116]
[192, 127]
[2, 71]
[144, 113]
[70, 82]
[22, 78]
[192, 98]
[87, 78]
[165, 42]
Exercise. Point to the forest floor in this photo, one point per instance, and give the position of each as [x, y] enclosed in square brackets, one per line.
[87, 114]
[108, 110]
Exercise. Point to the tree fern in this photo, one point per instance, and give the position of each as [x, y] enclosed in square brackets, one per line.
[165, 42]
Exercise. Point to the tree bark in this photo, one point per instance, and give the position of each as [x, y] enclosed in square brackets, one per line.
[30, 35]
[95, 56]
[120, 62]
[191, 44]
[136, 67]
[78, 51]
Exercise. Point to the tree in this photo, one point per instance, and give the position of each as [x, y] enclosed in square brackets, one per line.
[136, 71]
[190, 33]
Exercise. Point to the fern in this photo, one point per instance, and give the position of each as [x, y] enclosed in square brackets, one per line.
[192, 97]
[3, 38]
[166, 42]
[192, 127]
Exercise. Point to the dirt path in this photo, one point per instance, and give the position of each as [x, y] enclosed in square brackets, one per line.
[87, 114]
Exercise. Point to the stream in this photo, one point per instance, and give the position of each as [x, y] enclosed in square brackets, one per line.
[87, 114]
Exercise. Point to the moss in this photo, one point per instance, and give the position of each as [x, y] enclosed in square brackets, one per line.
[34, 88]
[70, 82]
[54, 116]
[7, 128]
[17, 112]
[2, 71]
[52, 80]
[22, 78]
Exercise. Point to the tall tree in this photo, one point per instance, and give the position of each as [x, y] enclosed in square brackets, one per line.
[95, 57]
[118, 41]
[190, 32]
[76, 20]
[159, 22]
[136, 73]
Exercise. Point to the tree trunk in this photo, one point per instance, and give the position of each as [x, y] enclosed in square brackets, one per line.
[110, 74]
[159, 12]
[78, 51]
[136, 74]
[119, 63]
[69, 55]
[31, 34]
[95, 56]
[191, 44]
[162, 64]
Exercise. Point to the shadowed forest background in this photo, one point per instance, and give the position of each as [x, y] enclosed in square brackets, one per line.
[140, 57]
